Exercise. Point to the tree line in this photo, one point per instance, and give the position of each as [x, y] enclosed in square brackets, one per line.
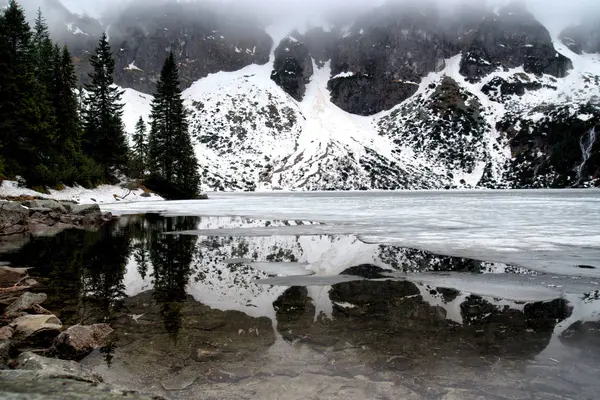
[54, 132]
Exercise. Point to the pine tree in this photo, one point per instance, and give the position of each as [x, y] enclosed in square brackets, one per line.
[103, 126]
[140, 145]
[22, 128]
[43, 51]
[139, 151]
[171, 155]
[76, 167]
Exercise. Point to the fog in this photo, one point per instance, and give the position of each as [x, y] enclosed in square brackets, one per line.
[555, 14]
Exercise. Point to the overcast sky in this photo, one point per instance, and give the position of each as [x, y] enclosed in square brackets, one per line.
[555, 14]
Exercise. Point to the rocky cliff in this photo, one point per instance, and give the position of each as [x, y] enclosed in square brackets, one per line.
[401, 96]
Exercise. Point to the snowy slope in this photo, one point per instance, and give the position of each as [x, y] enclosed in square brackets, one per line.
[251, 135]
[102, 194]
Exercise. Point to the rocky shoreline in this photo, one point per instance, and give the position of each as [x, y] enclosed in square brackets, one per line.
[37, 216]
[39, 356]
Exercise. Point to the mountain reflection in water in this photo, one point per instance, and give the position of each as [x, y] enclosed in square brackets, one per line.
[185, 310]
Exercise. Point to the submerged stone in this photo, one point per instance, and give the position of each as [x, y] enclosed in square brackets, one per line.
[78, 341]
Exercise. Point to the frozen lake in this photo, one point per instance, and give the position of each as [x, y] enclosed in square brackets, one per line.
[553, 231]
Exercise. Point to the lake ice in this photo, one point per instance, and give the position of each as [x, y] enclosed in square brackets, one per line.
[552, 231]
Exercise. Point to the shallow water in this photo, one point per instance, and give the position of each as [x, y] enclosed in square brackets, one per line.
[230, 316]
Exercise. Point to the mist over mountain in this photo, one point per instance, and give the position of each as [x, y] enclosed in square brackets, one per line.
[364, 95]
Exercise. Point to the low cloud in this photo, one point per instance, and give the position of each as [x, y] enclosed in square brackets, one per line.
[555, 14]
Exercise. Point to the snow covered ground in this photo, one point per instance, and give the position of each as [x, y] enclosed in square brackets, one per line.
[101, 195]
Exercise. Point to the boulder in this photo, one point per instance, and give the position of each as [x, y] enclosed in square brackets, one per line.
[24, 384]
[5, 350]
[56, 368]
[85, 209]
[79, 340]
[68, 205]
[6, 333]
[25, 302]
[11, 215]
[10, 276]
[52, 205]
[36, 329]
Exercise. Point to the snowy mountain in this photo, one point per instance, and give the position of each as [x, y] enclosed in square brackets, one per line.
[402, 96]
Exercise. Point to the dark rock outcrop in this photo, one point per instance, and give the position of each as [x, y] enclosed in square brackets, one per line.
[202, 40]
[381, 61]
[547, 151]
[293, 67]
[511, 38]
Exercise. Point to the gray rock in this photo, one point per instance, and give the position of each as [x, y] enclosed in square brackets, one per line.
[79, 340]
[10, 276]
[67, 205]
[55, 368]
[36, 329]
[12, 215]
[32, 385]
[85, 209]
[25, 302]
[509, 39]
[6, 333]
[46, 204]
[5, 350]
[293, 67]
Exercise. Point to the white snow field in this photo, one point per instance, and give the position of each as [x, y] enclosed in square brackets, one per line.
[553, 231]
[100, 195]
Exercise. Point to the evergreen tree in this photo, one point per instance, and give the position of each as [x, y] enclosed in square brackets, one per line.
[22, 129]
[103, 126]
[139, 150]
[171, 160]
[139, 140]
[43, 51]
[76, 167]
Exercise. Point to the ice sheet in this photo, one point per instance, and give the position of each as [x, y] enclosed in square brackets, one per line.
[282, 268]
[553, 231]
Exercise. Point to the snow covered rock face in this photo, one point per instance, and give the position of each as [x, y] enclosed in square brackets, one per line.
[293, 67]
[203, 42]
[380, 61]
[446, 126]
[408, 97]
[509, 39]
[549, 151]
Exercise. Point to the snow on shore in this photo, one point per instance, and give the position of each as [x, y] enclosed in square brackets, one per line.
[100, 195]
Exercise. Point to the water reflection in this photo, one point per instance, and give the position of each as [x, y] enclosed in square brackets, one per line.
[186, 308]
